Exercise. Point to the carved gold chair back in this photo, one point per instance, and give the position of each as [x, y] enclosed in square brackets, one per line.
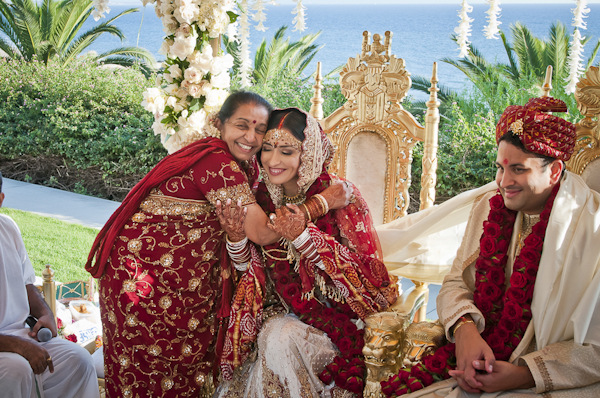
[374, 135]
[585, 160]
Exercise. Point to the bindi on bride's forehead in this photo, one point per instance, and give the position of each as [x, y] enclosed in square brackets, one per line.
[254, 122]
[505, 161]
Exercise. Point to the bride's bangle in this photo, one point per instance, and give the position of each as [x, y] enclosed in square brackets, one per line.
[239, 252]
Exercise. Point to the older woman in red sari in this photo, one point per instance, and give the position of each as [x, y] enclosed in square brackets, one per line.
[323, 275]
[163, 290]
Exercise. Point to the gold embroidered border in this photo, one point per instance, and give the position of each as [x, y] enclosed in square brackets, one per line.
[458, 311]
[161, 205]
[240, 192]
[548, 385]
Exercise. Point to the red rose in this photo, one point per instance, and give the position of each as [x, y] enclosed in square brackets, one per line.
[494, 317]
[507, 324]
[326, 377]
[515, 340]
[354, 384]
[386, 389]
[516, 294]
[355, 352]
[335, 335]
[483, 264]
[523, 324]
[529, 292]
[495, 342]
[497, 202]
[497, 276]
[435, 363]
[545, 216]
[530, 255]
[414, 384]
[484, 305]
[282, 280]
[341, 379]
[396, 383]
[513, 311]
[401, 391]
[490, 291]
[282, 267]
[502, 246]
[491, 230]
[539, 228]
[319, 325]
[345, 344]
[356, 371]
[328, 312]
[72, 337]
[499, 259]
[531, 271]
[349, 328]
[423, 376]
[328, 328]
[534, 241]
[300, 305]
[340, 319]
[333, 367]
[291, 290]
[502, 332]
[497, 217]
[506, 352]
[518, 280]
[404, 375]
[488, 246]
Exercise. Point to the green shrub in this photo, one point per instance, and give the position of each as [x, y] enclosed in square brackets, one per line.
[87, 115]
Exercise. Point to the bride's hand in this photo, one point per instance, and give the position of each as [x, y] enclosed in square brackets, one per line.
[339, 195]
[288, 222]
[232, 219]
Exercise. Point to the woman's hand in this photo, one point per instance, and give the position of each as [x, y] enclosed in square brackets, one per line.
[339, 195]
[288, 222]
[232, 219]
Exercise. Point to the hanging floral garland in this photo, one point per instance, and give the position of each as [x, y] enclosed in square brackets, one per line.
[463, 30]
[574, 61]
[491, 31]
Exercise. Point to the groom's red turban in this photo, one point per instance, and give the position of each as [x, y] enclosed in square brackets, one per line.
[540, 132]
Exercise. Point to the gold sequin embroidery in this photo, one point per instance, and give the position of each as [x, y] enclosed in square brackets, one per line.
[165, 302]
[162, 205]
[154, 350]
[240, 192]
[167, 383]
[193, 323]
[166, 260]
[134, 245]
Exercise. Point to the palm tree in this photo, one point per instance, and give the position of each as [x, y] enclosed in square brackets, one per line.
[279, 55]
[528, 57]
[48, 32]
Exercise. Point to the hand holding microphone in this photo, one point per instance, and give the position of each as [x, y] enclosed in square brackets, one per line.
[44, 334]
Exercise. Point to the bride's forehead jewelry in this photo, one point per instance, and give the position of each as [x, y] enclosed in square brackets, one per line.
[283, 137]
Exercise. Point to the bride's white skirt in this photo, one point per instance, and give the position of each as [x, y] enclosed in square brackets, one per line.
[291, 355]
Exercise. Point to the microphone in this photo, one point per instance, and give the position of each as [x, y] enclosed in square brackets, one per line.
[44, 334]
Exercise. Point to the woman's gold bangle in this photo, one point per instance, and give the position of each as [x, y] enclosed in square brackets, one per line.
[459, 324]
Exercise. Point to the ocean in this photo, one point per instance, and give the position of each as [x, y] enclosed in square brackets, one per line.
[421, 32]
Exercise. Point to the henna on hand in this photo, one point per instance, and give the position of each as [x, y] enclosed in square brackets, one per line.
[288, 222]
[232, 219]
[339, 195]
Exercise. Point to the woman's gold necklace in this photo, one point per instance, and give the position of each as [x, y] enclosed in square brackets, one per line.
[294, 200]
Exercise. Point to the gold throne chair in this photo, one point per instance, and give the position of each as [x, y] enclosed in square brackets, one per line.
[374, 137]
[586, 157]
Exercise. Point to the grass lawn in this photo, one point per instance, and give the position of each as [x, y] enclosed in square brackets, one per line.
[63, 245]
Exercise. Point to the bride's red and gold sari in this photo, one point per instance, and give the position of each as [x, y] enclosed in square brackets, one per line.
[163, 288]
[323, 299]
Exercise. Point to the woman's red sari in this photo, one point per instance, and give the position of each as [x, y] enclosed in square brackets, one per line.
[162, 286]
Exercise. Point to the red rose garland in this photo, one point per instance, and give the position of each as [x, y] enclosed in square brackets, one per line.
[507, 313]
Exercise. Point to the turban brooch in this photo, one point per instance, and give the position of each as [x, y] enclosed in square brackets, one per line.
[539, 131]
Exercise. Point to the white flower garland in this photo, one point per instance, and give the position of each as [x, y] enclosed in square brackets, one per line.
[464, 29]
[260, 16]
[244, 39]
[491, 31]
[574, 61]
[299, 19]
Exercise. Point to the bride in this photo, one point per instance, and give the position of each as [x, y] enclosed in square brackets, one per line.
[293, 324]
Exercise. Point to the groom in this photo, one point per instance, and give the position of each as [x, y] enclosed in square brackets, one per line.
[522, 299]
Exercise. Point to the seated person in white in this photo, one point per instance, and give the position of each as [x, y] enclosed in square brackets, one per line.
[520, 305]
[28, 368]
